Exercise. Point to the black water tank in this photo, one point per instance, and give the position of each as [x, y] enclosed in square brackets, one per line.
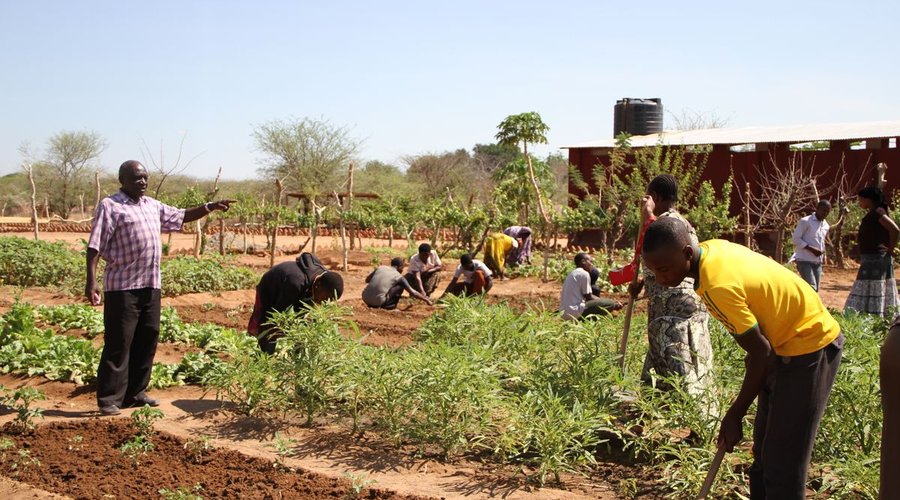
[638, 116]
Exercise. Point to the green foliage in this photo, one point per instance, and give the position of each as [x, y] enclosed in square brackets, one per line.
[30, 263]
[38, 263]
[710, 212]
[358, 484]
[27, 349]
[182, 275]
[526, 128]
[136, 447]
[514, 190]
[182, 493]
[141, 442]
[143, 419]
[310, 153]
[72, 317]
[530, 389]
[21, 400]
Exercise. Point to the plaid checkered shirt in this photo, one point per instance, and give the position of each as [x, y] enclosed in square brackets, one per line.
[126, 235]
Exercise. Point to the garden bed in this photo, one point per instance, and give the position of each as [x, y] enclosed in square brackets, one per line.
[82, 460]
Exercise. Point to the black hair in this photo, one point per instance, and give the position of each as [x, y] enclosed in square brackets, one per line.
[579, 258]
[873, 193]
[665, 186]
[666, 232]
[397, 262]
[331, 283]
[823, 203]
[127, 167]
[465, 259]
[424, 248]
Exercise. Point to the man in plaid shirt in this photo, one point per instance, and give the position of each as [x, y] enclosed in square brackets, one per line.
[125, 233]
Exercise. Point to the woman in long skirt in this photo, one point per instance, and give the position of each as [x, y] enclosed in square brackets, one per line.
[875, 289]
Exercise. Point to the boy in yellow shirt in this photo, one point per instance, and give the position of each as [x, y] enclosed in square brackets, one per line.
[793, 348]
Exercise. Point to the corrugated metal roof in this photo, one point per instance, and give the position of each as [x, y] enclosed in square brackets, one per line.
[758, 135]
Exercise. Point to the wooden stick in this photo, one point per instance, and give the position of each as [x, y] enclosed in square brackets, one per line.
[712, 473]
[629, 311]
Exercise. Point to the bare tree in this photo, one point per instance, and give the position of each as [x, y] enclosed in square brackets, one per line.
[158, 168]
[29, 168]
[689, 119]
[786, 192]
[61, 167]
[846, 190]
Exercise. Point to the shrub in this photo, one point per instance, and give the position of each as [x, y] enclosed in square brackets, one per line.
[183, 275]
[31, 263]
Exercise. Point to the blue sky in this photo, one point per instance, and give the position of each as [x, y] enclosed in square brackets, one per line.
[415, 77]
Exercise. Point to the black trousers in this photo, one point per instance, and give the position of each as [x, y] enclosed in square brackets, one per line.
[131, 324]
[789, 410]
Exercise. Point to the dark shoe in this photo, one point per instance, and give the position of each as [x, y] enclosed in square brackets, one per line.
[110, 410]
[141, 401]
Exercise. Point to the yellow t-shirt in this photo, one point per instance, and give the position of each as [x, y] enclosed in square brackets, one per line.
[742, 288]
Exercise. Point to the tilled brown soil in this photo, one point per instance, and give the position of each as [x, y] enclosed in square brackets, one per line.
[81, 459]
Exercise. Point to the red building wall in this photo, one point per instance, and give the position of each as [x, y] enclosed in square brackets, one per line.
[858, 164]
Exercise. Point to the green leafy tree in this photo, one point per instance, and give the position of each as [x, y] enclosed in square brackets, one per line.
[514, 192]
[311, 155]
[710, 214]
[526, 128]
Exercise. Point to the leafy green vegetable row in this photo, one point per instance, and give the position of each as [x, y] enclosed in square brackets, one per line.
[30, 263]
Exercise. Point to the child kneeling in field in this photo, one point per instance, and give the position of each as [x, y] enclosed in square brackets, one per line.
[793, 348]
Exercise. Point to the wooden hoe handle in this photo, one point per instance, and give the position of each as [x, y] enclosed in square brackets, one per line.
[713, 472]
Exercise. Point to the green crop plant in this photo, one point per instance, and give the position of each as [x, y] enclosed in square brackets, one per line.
[141, 442]
[75, 442]
[29, 263]
[284, 448]
[21, 400]
[181, 275]
[143, 419]
[359, 483]
[198, 448]
[182, 493]
[135, 448]
[529, 389]
[308, 356]
[248, 380]
[72, 317]
[23, 460]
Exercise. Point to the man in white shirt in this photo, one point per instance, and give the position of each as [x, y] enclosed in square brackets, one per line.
[476, 278]
[576, 299]
[809, 244]
[424, 270]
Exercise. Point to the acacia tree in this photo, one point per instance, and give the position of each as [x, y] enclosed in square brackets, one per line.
[308, 154]
[63, 166]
